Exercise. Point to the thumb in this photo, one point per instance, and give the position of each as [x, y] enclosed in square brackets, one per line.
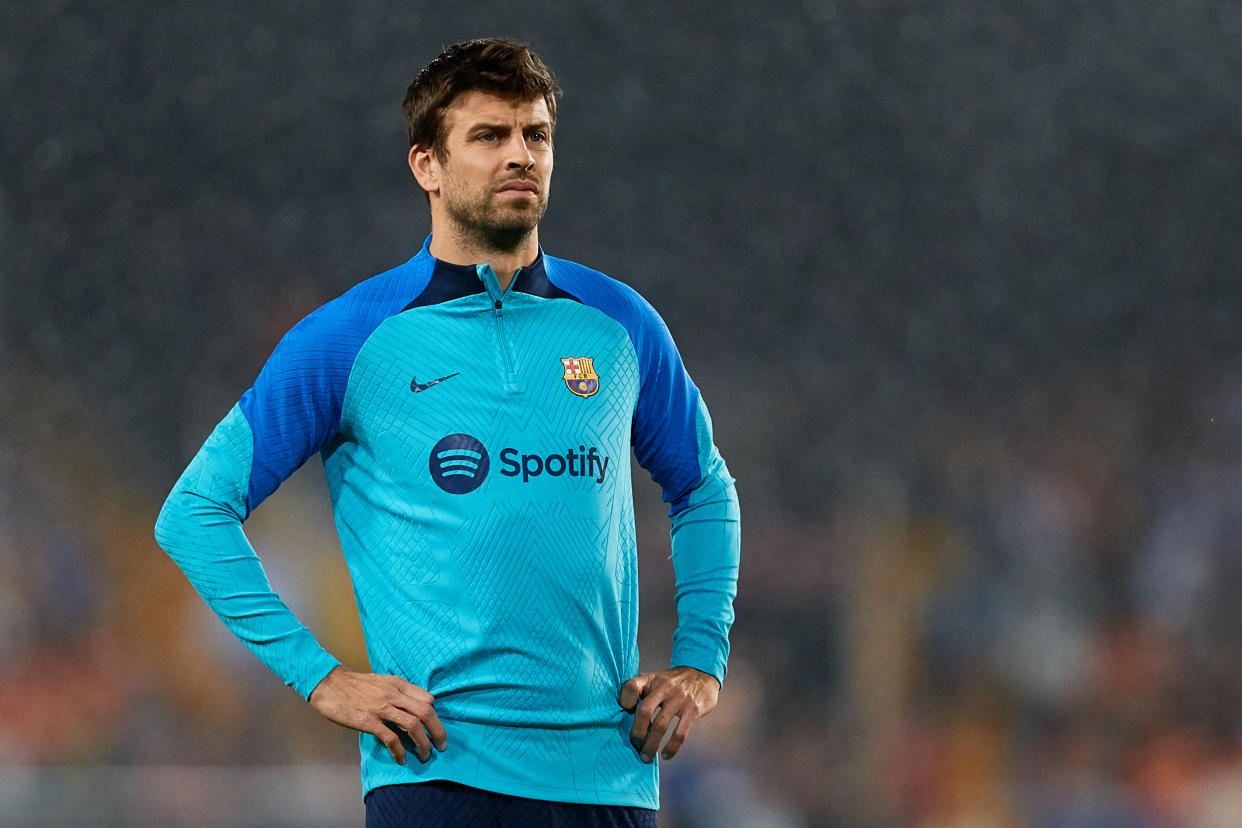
[633, 690]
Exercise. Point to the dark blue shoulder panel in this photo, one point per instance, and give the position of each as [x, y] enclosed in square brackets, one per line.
[294, 407]
[447, 282]
[664, 430]
[534, 280]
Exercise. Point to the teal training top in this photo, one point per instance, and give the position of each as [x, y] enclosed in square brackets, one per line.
[476, 446]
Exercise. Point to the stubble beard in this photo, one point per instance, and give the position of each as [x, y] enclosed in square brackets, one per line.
[480, 223]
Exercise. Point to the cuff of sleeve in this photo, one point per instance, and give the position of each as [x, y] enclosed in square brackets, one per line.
[708, 661]
[316, 669]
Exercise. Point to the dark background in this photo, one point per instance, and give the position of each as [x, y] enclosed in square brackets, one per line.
[957, 280]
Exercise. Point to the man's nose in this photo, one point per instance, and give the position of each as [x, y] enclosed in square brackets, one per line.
[521, 157]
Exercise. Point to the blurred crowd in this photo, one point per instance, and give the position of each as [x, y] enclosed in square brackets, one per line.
[1039, 629]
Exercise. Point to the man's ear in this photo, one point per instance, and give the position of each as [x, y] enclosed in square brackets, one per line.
[425, 167]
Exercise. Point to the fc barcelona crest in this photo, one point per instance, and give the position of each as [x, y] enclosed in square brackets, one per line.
[580, 376]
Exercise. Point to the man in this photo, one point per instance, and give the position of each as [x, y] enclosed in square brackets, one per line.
[475, 408]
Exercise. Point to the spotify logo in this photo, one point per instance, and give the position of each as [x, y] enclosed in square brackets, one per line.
[459, 464]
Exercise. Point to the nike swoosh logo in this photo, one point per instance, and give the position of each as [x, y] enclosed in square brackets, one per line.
[417, 386]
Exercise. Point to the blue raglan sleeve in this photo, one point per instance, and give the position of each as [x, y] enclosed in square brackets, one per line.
[290, 413]
[672, 437]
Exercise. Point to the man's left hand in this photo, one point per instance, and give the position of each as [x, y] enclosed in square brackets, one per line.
[655, 699]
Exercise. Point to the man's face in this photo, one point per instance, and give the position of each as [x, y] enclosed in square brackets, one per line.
[498, 165]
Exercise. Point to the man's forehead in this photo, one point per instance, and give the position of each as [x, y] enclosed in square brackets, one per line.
[485, 107]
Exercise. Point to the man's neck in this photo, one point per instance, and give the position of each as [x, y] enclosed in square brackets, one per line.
[454, 248]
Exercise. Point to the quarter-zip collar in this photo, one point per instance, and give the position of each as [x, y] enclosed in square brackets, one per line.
[453, 280]
[492, 282]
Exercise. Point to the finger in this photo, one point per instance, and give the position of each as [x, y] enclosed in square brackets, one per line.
[642, 723]
[685, 721]
[659, 726]
[632, 691]
[421, 743]
[434, 728]
[384, 733]
[412, 691]
[413, 726]
[426, 715]
[644, 714]
[417, 701]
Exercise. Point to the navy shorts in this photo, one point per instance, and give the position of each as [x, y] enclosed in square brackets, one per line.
[449, 805]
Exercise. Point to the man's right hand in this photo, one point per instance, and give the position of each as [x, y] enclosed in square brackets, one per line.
[371, 703]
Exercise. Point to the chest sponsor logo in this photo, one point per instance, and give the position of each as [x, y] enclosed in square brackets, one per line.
[459, 463]
[585, 462]
[580, 376]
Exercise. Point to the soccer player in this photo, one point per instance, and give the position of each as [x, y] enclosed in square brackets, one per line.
[475, 408]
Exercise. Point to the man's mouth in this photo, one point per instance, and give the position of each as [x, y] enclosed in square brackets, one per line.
[519, 186]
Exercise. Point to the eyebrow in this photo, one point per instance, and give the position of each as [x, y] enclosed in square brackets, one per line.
[542, 125]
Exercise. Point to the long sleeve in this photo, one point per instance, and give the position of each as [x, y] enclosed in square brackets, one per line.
[706, 540]
[292, 411]
[200, 527]
[673, 441]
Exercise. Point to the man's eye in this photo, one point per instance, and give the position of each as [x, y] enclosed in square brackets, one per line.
[538, 136]
[487, 136]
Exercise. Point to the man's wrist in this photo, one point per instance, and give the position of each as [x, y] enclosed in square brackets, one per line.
[323, 674]
[708, 673]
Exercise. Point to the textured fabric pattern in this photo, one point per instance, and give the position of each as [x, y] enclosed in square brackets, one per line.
[672, 438]
[485, 512]
[665, 431]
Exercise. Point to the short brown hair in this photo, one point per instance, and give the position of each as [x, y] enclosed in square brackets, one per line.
[495, 65]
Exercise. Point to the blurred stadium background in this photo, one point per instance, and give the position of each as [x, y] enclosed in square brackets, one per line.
[960, 282]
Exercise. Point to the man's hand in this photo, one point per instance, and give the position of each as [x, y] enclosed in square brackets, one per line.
[655, 699]
[370, 703]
